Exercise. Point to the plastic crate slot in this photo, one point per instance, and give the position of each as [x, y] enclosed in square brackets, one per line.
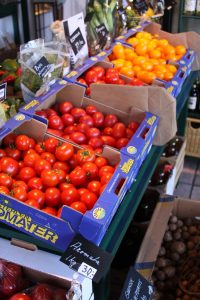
[144, 133]
[188, 56]
[181, 75]
[119, 186]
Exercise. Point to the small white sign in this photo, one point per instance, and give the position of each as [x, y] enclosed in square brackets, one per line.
[87, 270]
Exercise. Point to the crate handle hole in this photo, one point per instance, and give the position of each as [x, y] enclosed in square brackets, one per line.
[119, 186]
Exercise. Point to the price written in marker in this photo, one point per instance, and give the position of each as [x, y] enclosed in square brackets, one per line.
[86, 258]
[87, 270]
[42, 67]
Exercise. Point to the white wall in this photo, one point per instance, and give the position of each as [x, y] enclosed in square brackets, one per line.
[73, 7]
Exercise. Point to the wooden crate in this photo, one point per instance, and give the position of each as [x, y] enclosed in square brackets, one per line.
[193, 137]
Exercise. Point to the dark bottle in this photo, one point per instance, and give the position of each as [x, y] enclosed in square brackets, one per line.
[161, 174]
[198, 96]
[192, 101]
[173, 147]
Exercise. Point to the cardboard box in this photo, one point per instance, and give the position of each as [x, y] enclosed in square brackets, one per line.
[182, 208]
[108, 98]
[94, 223]
[41, 266]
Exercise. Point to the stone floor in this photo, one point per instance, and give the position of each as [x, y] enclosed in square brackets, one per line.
[189, 182]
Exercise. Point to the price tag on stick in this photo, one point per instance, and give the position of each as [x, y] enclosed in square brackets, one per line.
[3, 88]
[86, 258]
[136, 287]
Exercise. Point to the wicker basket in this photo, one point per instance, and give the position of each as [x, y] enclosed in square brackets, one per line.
[193, 137]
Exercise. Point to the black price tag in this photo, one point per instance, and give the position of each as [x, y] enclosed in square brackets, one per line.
[86, 258]
[136, 287]
[42, 67]
[76, 40]
[102, 34]
[3, 88]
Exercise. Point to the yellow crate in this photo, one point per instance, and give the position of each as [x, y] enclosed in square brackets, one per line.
[193, 137]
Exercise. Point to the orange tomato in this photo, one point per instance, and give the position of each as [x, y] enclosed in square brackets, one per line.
[163, 43]
[147, 77]
[139, 60]
[155, 53]
[159, 75]
[162, 61]
[160, 68]
[178, 56]
[168, 75]
[118, 63]
[130, 55]
[180, 50]
[127, 71]
[141, 49]
[147, 66]
[169, 50]
[151, 46]
[111, 56]
[154, 61]
[136, 69]
[128, 63]
[118, 51]
[171, 68]
[133, 41]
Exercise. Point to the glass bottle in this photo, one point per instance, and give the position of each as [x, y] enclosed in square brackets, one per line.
[198, 8]
[192, 101]
[190, 7]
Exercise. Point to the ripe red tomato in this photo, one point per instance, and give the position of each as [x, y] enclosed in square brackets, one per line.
[88, 120]
[82, 128]
[70, 129]
[64, 186]
[129, 133]
[112, 76]
[108, 140]
[38, 196]
[65, 107]
[67, 119]
[93, 132]
[40, 148]
[89, 199]
[88, 91]
[20, 296]
[11, 152]
[59, 294]
[102, 188]
[78, 138]
[107, 131]
[78, 177]
[99, 71]
[22, 142]
[19, 183]
[41, 113]
[106, 169]
[33, 203]
[112, 71]
[35, 183]
[122, 143]
[94, 187]
[90, 169]
[91, 109]
[50, 144]
[101, 162]
[61, 165]
[3, 153]
[52, 197]
[110, 120]
[32, 143]
[9, 140]
[19, 193]
[82, 81]
[73, 163]
[98, 119]
[95, 143]
[64, 152]
[50, 210]
[121, 81]
[4, 190]
[61, 175]
[106, 178]
[50, 112]
[85, 155]
[9, 166]
[82, 191]
[90, 76]
[79, 206]
[133, 126]
[55, 122]
[70, 195]
[136, 82]
[21, 165]
[119, 130]
[50, 157]
[77, 113]
[26, 173]
[30, 159]
[49, 178]
[41, 165]
[59, 214]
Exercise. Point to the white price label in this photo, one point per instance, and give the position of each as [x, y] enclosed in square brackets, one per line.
[87, 270]
[2, 93]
